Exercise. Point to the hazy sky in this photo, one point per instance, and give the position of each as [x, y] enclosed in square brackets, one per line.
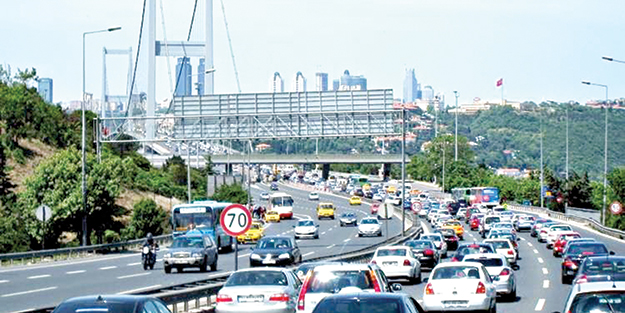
[542, 48]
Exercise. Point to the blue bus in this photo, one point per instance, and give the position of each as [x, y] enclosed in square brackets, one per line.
[204, 217]
[488, 196]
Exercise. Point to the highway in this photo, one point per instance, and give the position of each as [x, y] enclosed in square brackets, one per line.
[28, 287]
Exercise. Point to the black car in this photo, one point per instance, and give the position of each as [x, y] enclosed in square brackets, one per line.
[450, 238]
[426, 251]
[274, 186]
[575, 253]
[275, 250]
[471, 248]
[348, 219]
[366, 302]
[112, 303]
[601, 268]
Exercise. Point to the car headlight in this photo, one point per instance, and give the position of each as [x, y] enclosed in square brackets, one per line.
[255, 256]
[197, 255]
[284, 256]
[167, 255]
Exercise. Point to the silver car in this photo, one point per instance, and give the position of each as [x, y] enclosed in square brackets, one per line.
[604, 296]
[438, 241]
[261, 290]
[499, 270]
[191, 250]
[306, 228]
[369, 226]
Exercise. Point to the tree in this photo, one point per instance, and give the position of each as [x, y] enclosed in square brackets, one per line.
[578, 191]
[124, 148]
[176, 167]
[147, 217]
[616, 193]
[6, 186]
[231, 193]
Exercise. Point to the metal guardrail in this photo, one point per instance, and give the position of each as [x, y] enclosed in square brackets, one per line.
[11, 258]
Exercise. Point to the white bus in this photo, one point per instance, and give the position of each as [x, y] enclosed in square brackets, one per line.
[281, 203]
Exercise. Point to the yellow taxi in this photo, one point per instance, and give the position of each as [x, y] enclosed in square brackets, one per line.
[456, 226]
[391, 189]
[355, 200]
[325, 209]
[272, 216]
[254, 234]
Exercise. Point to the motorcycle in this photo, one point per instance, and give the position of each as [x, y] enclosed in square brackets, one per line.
[148, 256]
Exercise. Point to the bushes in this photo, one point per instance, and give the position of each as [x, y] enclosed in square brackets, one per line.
[147, 217]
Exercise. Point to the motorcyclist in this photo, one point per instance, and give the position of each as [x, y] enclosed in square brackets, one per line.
[149, 242]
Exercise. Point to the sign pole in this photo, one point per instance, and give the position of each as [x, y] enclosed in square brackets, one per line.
[236, 254]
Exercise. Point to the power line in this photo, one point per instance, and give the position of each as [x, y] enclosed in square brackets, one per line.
[234, 64]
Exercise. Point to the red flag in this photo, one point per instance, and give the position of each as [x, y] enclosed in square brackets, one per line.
[500, 82]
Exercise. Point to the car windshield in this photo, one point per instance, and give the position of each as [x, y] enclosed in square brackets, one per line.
[369, 221]
[274, 243]
[456, 272]
[431, 237]
[254, 278]
[350, 215]
[598, 302]
[420, 244]
[255, 227]
[500, 244]
[351, 305]
[488, 262]
[391, 252]
[334, 281]
[604, 266]
[587, 249]
[326, 206]
[306, 223]
[187, 242]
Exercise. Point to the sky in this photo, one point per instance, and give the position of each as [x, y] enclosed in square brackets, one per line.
[542, 49]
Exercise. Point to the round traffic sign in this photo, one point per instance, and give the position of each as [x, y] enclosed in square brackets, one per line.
[616, 208]
[416, 207]
[43, 213]
[235, 220]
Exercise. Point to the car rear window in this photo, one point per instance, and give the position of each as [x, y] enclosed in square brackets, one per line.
[420, 244]
[589, 249]
[604, 266]
[490, 220]
[456, 272]
[74, 307]
[334, 281]
[391, 252]
[486, 261]
[351, 305]
[598, 302]
[500, 244]
[475, 249]
[253, 278]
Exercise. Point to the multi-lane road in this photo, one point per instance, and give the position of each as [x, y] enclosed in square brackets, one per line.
[45, 285]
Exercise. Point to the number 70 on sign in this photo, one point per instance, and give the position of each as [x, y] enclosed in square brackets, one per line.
[235, 220]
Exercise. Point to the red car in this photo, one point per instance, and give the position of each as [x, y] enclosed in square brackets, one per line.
[474, 221]
[560, 243]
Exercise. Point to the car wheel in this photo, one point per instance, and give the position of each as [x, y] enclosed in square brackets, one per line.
[179, 269]
[512, 296]
[359, 235]
[317, 236]
[380, 234]
[167, 269]
[204, 265]
[565, 280]
[418, 279]
[296, 237]
[342, 224]
[214, 266]
[494, 308]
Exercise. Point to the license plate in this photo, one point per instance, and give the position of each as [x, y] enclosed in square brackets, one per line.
[245, 299]
[454, 304]
[180, 262]
[389, 263]
[269, 261]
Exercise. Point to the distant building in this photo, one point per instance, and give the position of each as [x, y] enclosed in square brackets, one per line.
[183, 77]
[412, 89]
[300, 82]
[200, 77]
[277, 84]
[428, 93]
[349, 82]
[45, 89]
[479, 105]
[322, 81]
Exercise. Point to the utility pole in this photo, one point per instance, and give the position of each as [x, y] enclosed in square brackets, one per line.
[403, 171]
[456, 136]
[542, 174]
[566, 202]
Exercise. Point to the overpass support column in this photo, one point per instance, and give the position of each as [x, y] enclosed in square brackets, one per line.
[325, 172]
[386, 170]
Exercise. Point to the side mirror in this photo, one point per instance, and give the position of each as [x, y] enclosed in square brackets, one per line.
[317, 226]
[612, 253]
[426, 279]
[293, 226]
[396, 287]
[518, 238]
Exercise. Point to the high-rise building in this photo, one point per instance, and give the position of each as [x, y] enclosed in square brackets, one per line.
[277, 84]
[322, 81]
[412, 89]
[428, 93]
[184, 75]
[45, 89]
[200, 77]
[349, 82]
[300, 82]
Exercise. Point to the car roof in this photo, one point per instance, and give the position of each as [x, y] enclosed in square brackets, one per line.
[344, 266]
[106, 298]
[276, 237]
[484, 255]
[264, 269]
[455, 264]
[367, 295]
[395, 247]
[598, 286]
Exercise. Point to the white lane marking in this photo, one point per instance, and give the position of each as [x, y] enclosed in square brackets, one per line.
[138, 289]
[356, 236]
[38, 276]
[545, 284]
[535, 251]
[521, 238]
[471, 235]
[27, 292]
[540, 260]
[133, 264]
[330, 246]
[309, 253]
[346, 240]
[540, 305]
[108, 267]
[323, 233]
[134, 275]
[545, 271]
[244, 255]
[159, 260]
[3, 281]
[75, 272]
[530, 244]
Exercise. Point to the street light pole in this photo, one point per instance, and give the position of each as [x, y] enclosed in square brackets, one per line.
[566, 202]
[542, 168]
[403, 172]
[84, 135]
[456, 136]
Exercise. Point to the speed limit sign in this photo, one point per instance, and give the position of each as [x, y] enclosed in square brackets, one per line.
[235, 220]
[616, 208]
[416, 207]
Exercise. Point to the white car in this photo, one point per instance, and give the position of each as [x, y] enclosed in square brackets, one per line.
[499, 270]
[461, 214]
[313, 196]
[306, 228]
[438, 240]
[398, 262]
[553, 231]
[377, 197]
[441, 219]
[264, 195]
[504, 225]
[394, 200]
[460, 286]
[369, 226]
[505, 248]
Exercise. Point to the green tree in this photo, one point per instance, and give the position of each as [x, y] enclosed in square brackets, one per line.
[147, 217]
[578, 191]
[175, 166]
[616, 178]
[231, 193]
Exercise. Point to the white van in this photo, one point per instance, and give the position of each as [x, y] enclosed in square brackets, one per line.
[282, 203]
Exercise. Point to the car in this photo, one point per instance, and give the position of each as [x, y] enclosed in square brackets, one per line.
[306, 228]
[365, 302]
[537, 225]
[313, 196]
[576, 240]
[506, 216]
[325, 210]
[274, 186]
[369, 226]
[472, 248]
[253, 234]
[264, 195]
[272, 216]
[303, 269]
[470, 211]
[460, 286]
[425, 251]
[499, 270]
[523, 222]
[440, 220]
[194, 249]
[438, 240]
[561, 240]
[449, 235]
[474, 221]
[275, 250]
[355, 200]
[486, 223]
[112, 303]
[398, 262]
[377, 197]
[348, 218]
[504, 226]
[456, 226]
[505, 248]
[259, 290]
[461, 214]
[553, 231]
[596, 297]
[326, 280]
[574, 255]
[393, 199]
[601, 268]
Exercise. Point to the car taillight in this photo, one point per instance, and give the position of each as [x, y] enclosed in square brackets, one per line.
[543, 231]
[510, 252]
[279, 297]
[480, 288]
[428, 252]
[504, 272]
[407, 263]
[376, 284]
[582, 279]
[569, 263]
[588, 253]
[429, 290]
[302, 292]
[374, 262]
[221, 298]
[454, 259]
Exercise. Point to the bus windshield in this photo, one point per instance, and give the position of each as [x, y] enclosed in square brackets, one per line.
[185, 221]
[282, 201]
